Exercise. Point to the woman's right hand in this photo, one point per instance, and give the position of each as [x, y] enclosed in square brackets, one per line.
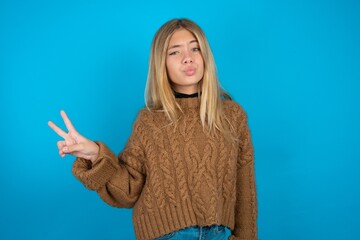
[74, 143]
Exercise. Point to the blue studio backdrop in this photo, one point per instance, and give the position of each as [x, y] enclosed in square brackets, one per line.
[293, 65]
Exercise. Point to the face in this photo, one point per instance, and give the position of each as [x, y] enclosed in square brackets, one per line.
[184, 62]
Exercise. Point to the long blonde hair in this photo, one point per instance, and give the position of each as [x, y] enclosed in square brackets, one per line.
[159, 94]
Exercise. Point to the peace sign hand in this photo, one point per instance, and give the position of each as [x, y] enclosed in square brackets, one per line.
[74, 143]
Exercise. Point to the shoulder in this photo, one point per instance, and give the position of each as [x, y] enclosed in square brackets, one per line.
[140, 123]
[236, 115]
[142, 116]
[233, 108]
[150, 118]
[144, 113]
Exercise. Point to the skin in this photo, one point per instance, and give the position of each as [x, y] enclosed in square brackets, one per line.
[74, 143]
[185, 67]
[184, 62]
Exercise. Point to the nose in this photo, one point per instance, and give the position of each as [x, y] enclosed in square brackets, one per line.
[187, 58]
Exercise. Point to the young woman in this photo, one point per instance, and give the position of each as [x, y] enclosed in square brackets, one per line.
[187, 169]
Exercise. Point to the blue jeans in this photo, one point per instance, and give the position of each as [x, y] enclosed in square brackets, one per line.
[213, 232]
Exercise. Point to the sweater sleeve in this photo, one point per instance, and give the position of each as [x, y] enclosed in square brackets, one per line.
[246, 200]
[117, 179]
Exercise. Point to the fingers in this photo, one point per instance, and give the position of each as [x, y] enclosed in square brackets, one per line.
[61, 145]
[73, 148]
[68, 149]
[58, 130]
[67, 121]
[69, 145]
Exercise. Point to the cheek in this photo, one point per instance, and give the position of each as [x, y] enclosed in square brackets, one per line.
[170, 68]
[199, 59]
[200, 62]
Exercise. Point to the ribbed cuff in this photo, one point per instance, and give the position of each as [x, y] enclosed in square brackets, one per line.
[96, 176]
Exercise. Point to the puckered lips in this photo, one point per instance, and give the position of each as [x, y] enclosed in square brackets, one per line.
[190, 71]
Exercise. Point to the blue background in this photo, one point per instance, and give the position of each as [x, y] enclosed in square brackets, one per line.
[293, 65]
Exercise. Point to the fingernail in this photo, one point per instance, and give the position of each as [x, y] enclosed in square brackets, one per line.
[65, 149]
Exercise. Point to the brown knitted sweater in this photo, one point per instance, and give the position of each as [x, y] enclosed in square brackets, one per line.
[179, 177]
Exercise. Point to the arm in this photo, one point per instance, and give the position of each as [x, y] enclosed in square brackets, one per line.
[246, 201]
[118, 180]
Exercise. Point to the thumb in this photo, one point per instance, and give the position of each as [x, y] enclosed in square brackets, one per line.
[73, 148]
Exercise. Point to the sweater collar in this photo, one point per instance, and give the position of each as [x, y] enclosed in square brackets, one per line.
[184, 95]
[188, 102]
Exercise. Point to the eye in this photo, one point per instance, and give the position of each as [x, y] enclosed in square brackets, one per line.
[196, 49]
[174, 53]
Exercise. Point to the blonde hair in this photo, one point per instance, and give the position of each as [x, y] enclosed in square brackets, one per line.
[159, 94]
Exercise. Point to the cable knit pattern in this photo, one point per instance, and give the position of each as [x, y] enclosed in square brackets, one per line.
[211, 179]
[177, 159]
[176, 176]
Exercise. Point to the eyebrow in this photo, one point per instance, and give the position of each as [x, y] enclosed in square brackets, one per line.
[179, 45]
